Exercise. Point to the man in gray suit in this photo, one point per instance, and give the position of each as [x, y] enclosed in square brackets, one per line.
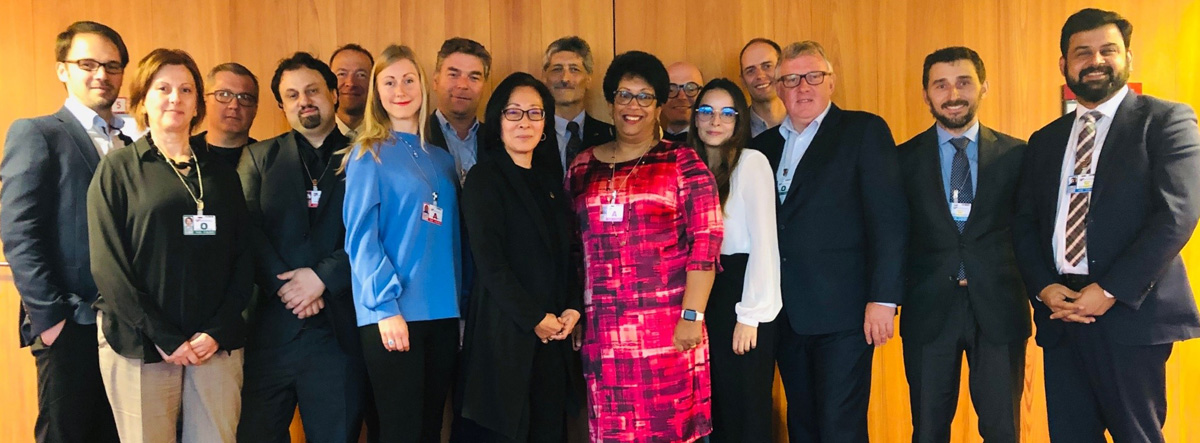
[48, 165]
[963, 291]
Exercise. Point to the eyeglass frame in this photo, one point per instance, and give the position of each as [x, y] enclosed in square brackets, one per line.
[653, 99]
[674, 88]
[524, 113]
[725, 118]
[112, 68]
[782, 79]
[234, 96]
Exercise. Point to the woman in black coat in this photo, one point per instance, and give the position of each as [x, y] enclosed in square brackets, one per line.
[520, 373]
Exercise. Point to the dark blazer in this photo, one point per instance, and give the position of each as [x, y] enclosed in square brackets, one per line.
[286, 237]
[48, 164]
[843, 228]
[595, 133]
[522, 276]
[936, 248]
[1143, 209]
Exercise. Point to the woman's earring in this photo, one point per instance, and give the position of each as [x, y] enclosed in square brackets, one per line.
[543, 136]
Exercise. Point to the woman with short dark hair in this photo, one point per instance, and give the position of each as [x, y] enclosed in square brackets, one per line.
[651, 230]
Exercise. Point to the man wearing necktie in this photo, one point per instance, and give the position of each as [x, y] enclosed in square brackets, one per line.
[963, 293]
[1109, 197]
[567, 71]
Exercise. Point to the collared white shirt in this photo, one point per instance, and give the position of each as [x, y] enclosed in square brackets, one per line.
[1107, 110]
[104, 135]
[750, 228]
[463, 150]
[795, 144]
[560, 128]
[346, 130]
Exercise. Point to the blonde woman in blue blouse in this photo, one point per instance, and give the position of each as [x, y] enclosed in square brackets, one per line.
[402, 235]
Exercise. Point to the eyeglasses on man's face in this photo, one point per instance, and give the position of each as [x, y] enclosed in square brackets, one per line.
[225, 96]
[90, 65]
[813, 78]
[690, 89]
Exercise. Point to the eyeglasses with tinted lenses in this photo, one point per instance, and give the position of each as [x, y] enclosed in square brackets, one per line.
[644, 99]
[706, 113]
[690, 89]
[813, 78]
[90, 65]
[225, 96]
[515, 115]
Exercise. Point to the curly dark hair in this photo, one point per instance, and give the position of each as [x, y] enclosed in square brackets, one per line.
[641, 65]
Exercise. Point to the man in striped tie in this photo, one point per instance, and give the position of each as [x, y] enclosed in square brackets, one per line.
[1109, 197]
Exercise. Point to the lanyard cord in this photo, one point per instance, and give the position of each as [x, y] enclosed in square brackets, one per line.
[420, 169]
[199, 200]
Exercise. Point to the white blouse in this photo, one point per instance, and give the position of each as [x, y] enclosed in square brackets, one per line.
[750, 228]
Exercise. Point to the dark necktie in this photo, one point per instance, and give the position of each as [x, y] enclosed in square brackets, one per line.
[960, 180]
[574, 142]
[1078, 209]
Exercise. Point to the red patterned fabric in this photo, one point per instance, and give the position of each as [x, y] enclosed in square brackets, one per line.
[640, 388]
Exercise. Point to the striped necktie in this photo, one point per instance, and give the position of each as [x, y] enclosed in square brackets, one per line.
[1078, 209]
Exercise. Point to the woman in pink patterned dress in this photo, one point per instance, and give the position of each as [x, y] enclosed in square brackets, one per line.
[651, 224]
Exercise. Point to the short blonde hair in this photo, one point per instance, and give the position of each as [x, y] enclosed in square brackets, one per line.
[148, 67]
[807, 47]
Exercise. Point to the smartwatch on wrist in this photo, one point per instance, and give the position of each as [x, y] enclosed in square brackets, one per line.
[691, 315]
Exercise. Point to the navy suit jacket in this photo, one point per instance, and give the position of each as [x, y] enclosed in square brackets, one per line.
[843, 227]
[286, 236]
[48, 164]
[1143, 209]
[936, 248]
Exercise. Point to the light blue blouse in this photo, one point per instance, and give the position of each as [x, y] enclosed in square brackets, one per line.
[401, 263]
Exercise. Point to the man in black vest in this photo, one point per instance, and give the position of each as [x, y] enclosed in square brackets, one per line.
[963, 292]
[304, 344]
[48, 164]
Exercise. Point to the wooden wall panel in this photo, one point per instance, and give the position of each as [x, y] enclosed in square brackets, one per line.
[876, 46]
[877, 49]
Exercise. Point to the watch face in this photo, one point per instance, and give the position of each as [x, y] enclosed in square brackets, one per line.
[689, 315]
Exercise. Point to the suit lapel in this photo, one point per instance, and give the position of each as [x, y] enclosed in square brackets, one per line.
[988, 152]
[526, 196]
[83, 143]
[1117, 142]
[433, 133]
[932, 183]
[292, 174]
[820, 151]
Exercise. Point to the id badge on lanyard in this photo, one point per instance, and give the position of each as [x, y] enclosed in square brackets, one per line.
[200, 224]
[612, 212]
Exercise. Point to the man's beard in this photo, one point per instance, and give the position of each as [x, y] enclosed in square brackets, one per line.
[955, 123]
[1094, 92]
[311, 121]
